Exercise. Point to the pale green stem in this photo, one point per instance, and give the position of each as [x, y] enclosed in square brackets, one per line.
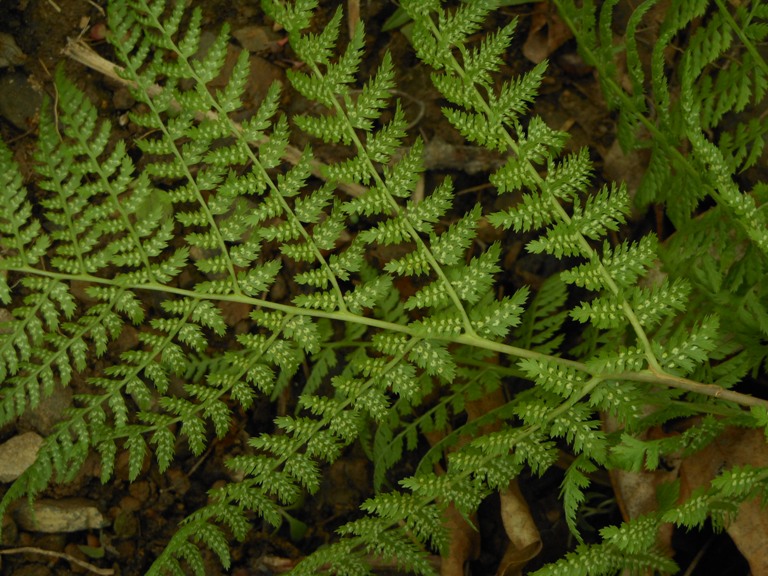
[583, 243]
[651, 376]
[273, 187]
[396, 208]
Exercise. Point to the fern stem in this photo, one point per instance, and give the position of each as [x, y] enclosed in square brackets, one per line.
[583, 243]
[650, 376]
[743, 37]
[479, 342]
[469, 339]
[665, 379]
[396, 209]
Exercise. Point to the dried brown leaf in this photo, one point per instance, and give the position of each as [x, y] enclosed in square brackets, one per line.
[547, 33]
[734, 447]
[524, 538]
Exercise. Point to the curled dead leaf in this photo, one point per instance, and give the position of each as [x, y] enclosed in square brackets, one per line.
[524, 538]
[547, 33]
[734, 447]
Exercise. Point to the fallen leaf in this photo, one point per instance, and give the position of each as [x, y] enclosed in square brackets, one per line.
[524, 538]
[636, 491]
[734, 447]
[547, 33]
[464, 543]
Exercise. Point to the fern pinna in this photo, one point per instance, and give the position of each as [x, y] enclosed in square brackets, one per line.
[219, 207]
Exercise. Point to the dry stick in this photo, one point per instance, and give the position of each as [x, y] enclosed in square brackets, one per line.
[81, 52]
[43, 552]
[353, 16]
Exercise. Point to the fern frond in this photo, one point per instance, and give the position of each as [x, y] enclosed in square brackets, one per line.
[396, 320]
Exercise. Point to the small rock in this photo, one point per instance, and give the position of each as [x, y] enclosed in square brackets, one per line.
[123, 99]
[18, 454]
[10, 53]
[129, 504]
[66, 515]
[140, 490]
[256, 38]
[32, 570]
[263, 74]
[20, 101]
[10, 531]
[49, 411]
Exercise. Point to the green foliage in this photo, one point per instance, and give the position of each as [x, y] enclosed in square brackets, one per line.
[400, 317]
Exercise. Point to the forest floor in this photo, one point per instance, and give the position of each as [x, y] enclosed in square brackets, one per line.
[140, 517]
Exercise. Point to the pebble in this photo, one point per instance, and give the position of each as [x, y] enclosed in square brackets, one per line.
[19, 101]
[65, 515]
[10, 53]
[50, 411]
[18, 454]
[256, 38]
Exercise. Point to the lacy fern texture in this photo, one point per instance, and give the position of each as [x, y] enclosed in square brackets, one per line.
[399, 317]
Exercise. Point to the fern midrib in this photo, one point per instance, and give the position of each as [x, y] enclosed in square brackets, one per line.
[21, 325]
[17, 227]
[62, 198]
[52, 358]
[650, 376]
[583, 243]
[397, 210]
[191, 179]
[756, 56]
[472, 340]
[495, 414]
[278, 460]
[253, 358]
[115, 196]
[236, 133]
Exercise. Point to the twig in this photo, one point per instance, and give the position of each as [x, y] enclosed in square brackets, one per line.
[99, 8]
[353, 16]
[72, 559]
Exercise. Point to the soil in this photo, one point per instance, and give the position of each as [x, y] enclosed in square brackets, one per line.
[142, 515]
